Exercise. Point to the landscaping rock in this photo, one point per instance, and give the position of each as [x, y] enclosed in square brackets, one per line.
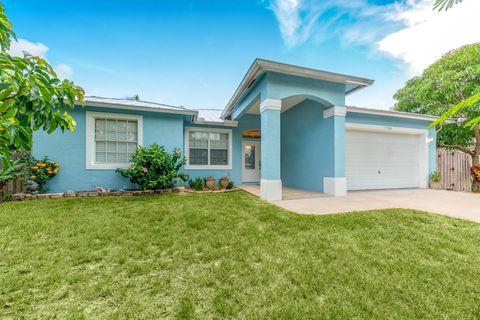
[18, 196]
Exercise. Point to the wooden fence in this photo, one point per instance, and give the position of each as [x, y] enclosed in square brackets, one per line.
[12, 187]
[454, 168]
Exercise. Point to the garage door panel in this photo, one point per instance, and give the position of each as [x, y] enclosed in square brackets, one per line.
[381, 160]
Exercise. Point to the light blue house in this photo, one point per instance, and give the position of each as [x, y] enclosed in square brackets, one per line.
[284, 125]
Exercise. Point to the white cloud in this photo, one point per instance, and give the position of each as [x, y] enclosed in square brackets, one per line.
[429, 34]
[303, 20]
[36, 49]
[63, 71]
[17, 48]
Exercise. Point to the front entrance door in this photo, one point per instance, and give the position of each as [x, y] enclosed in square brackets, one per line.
[251, 162]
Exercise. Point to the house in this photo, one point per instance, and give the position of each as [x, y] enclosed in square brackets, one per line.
[284, 125]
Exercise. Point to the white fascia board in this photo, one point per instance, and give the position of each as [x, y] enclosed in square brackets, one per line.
[138, 108]
[224, 123]
[396, 114]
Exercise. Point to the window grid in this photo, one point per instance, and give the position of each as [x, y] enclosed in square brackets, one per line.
[218, 154]
[130, 141]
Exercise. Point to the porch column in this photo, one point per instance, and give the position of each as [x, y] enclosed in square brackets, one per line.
[336, 184]
[270, 182]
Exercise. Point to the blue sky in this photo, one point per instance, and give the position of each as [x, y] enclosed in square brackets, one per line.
[194, 53]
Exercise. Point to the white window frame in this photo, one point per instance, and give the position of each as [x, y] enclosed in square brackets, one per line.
[90, 137]
[188, 166]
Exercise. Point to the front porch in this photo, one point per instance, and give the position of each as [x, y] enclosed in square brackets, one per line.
[302, 124]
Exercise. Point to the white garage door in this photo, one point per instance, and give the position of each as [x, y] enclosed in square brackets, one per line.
[377, 160]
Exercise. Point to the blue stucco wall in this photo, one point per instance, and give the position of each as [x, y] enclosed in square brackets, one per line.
[310, 148]
[379, 120]
[307, 146]
[281, 86]
[69, 149]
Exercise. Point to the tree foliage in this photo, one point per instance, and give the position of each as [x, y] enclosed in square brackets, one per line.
[450, 81]
[31, 97]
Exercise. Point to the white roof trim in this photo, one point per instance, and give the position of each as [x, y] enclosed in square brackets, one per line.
[225, 123]
[406, 115]
[267, 65]
[150, 107]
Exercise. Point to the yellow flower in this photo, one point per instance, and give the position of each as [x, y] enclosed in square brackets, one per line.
[34, 167]
[33, 177]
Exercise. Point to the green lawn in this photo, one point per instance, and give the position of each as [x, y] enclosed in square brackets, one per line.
[231, 256]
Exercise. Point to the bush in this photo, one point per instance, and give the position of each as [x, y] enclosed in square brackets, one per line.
[476, 172]
[435, 177]
[39, 172]
[153, 168]
[230, 185]
[196, 184]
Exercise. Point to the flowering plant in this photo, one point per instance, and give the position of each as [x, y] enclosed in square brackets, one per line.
[40, 171]
[154, 168]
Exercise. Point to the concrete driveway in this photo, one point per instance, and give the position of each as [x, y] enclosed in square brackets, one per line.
[449, 203]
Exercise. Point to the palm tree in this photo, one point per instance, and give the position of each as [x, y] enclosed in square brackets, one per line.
[445, 4]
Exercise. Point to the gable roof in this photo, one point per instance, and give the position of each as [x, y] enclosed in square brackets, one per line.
[258, 66]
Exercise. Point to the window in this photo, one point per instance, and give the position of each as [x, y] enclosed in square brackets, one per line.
[112, 139]
[208, 148]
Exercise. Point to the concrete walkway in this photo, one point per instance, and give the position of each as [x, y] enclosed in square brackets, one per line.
[454, 204]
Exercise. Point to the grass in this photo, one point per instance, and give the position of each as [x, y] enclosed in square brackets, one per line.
[231, 256]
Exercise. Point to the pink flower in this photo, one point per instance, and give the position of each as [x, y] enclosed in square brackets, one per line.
[145, 170]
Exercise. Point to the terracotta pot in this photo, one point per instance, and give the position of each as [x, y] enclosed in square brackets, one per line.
[435, 185]
[224, 182]
[210, 183]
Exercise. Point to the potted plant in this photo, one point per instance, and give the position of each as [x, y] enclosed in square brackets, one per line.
[224, 182]
[210, 183]
[435, 181]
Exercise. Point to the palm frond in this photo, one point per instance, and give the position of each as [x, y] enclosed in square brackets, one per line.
[445, 4]
[457, 109]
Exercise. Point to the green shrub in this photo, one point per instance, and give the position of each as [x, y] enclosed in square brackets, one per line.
[196, 184]
[435, 177]
[153, 168]
[230, 185]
